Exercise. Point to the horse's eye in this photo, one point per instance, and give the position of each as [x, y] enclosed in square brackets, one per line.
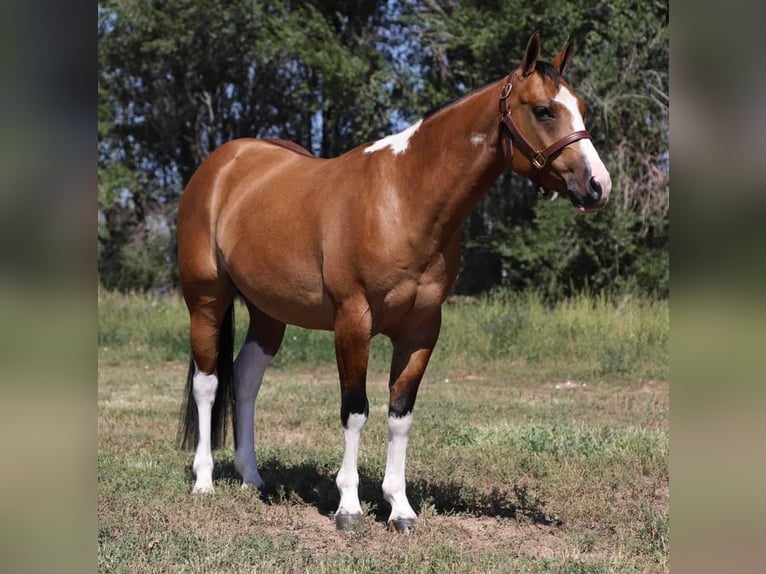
[542, 112]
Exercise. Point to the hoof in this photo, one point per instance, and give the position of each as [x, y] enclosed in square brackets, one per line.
[348, 521]
[402, 525]
[261, 489]
[205, 489]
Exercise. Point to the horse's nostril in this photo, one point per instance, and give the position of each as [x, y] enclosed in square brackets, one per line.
[595, 189]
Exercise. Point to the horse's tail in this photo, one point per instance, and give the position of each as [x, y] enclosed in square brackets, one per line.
[188, 428]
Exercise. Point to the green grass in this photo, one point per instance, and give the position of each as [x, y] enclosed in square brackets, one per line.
[540, 445]
[581, 337]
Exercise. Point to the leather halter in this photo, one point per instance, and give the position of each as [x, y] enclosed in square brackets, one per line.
[538, 158]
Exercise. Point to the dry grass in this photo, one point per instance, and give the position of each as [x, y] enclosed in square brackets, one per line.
[507, 474]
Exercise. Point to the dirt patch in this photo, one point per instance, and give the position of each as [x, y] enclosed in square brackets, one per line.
[468, 534]
[502, 535]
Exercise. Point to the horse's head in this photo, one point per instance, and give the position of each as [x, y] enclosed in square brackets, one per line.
[544, 133]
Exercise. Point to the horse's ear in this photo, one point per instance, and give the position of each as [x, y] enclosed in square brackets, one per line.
[561, 61]
[531, 54]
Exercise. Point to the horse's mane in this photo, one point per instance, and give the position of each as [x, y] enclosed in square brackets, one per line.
[544, 68]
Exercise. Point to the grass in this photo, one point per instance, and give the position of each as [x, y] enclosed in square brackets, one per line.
[540, 445]
[581, 337]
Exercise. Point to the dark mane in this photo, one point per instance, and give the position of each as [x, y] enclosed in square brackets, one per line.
[544, 68]
[548, 71]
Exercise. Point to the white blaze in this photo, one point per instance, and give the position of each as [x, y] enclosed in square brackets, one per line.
[595, 166]
[397, 142]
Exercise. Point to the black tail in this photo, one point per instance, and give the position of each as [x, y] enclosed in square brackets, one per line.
[188, 428]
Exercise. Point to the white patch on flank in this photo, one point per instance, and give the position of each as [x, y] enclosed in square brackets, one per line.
[394, 487]
[248, 375]
[397, 142]
[203, 389]
[478, 139]
[596, 167]
[348, 476]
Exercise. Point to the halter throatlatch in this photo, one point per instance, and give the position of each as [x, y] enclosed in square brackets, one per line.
[538, 158]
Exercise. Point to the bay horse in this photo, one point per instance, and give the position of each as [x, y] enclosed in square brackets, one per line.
[362, 244]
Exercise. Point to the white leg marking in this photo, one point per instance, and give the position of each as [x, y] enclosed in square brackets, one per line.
[394, 488]
[397, 142]
[203, 389]
[596, 167]
[348, 476]
[248, 374]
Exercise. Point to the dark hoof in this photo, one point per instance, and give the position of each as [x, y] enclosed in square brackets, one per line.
[261, 490]
[402, 525]
[348, 521]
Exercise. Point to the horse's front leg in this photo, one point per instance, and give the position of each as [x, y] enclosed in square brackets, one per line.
[352, 343]
[410, 359]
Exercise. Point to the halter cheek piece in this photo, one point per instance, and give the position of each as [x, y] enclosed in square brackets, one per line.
[538, 158]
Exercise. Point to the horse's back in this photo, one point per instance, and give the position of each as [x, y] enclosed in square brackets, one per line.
[231, 173]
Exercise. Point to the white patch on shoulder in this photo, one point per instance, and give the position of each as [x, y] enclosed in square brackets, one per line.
[397, 142]
[478, 139]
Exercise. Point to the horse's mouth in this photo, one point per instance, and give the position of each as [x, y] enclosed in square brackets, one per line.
[583, 205]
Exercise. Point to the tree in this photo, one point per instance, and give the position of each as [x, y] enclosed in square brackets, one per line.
[179, 78]
[621, 70]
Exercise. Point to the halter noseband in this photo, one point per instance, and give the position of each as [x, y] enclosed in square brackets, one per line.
[538, 158]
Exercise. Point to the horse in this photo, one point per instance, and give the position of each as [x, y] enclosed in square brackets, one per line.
[361, 244]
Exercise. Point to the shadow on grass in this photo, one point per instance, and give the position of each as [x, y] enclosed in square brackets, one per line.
[314, 483]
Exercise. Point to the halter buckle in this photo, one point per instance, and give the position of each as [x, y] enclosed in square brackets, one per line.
[539, 160]
[506, 91]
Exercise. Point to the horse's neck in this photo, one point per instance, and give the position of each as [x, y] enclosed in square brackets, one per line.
[456, 160]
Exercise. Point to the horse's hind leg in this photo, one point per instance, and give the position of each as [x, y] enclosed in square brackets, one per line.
[262, 342]
[210, 310]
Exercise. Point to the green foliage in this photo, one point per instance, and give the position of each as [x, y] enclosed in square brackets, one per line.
[177, 79]
[582, 336]
[620, 69]
[560, 253]
[143, 327]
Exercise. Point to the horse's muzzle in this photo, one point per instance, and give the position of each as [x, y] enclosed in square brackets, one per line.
[594, 189]
[593, 200]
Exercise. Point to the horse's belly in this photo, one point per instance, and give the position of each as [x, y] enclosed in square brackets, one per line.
[284, 290]
[300, 308]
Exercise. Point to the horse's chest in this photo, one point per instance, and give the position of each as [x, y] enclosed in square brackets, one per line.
[410, 295]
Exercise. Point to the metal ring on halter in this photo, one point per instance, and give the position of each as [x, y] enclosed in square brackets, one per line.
[539, 160]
